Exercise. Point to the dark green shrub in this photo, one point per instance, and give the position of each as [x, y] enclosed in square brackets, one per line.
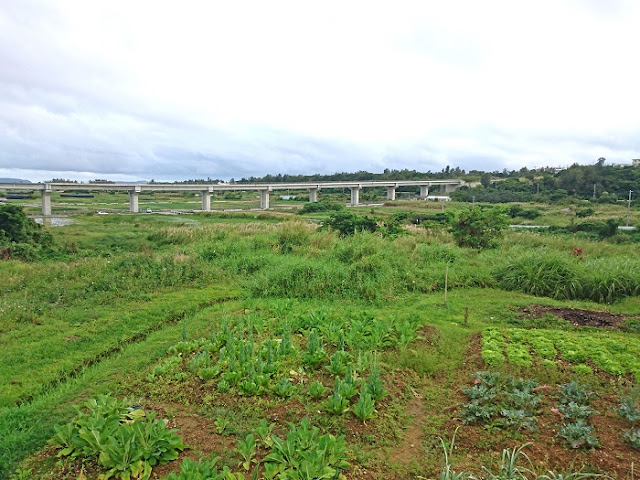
[23, 238]
[16, 227]
[347, 223]
[478, 228]
[515, 210]
[585, 212]
[324, 206]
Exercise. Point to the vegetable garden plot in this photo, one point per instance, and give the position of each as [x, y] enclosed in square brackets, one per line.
[613, 353]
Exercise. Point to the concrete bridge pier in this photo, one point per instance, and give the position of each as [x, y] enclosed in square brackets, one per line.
[46, 200]
[133, 200]
[206, 199]
[450, 187]
[264, 199]
[391, 193]
[424, 191]
[355, 196]
[313, 194]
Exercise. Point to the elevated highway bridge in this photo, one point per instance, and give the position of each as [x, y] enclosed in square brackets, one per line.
[134, 189]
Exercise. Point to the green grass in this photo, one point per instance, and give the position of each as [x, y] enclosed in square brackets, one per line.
[100, 313]
[24, 429]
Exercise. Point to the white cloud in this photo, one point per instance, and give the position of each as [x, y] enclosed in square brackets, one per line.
[138, 88]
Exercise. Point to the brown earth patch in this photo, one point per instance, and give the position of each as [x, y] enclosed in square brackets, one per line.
[429, 335]
[578, 317]
[407, 450]
[473, 359]
[198, 433]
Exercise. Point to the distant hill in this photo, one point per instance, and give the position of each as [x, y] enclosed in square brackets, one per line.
[13, 180]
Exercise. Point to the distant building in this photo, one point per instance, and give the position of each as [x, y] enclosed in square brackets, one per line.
[439, 198]
[636, 162]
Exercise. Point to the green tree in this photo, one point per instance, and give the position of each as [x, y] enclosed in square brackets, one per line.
[478, 228]
[485, 180]
[16, 227]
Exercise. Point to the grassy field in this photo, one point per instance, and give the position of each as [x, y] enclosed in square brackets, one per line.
[241, 324]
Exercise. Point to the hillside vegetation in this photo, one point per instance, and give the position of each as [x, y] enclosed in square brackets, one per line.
[330, 344]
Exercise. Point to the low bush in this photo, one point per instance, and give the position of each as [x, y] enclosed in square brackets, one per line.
[478, 228]
[323, 206]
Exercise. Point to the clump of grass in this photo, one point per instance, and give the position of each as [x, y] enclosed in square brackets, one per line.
[541, 274]
[606, 280]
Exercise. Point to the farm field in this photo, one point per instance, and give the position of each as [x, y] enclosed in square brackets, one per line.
[287, 351]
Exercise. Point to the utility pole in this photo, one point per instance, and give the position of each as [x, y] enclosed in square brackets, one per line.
[629, 207]
[594, 191]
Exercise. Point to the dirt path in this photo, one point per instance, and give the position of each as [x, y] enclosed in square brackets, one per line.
[408, 450]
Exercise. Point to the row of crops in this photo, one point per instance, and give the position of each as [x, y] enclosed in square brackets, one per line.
[517, 404]
[610, 352]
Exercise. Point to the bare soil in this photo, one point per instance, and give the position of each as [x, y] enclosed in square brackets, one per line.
[578, 317]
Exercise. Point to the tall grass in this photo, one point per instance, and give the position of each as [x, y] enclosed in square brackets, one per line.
[606, 280]
[541, 273]
[561, 276]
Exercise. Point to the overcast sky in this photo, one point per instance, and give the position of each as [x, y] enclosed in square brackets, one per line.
[135, 90]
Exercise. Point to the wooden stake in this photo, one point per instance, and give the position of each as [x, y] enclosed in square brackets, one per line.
[466, 316]
[446, 284]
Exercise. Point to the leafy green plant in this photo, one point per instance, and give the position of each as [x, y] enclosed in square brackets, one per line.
[629, 409]
[633, 437]
[480, 392]
[348, 389]
[247, 449]
[284, 388]
[263, 432]
[338, 363]
[314, 355]
[223, 386]
[523, 399]
[375, 385]
[519, 419]
[203, 470]
[317, 390]
[575, 392]
[365, 407]
[490, 379]
[23, 474]
[337, 403]
[492, 346]
[222, 425]
[125, 441]
[574, 411]
[305, 454]
[578, 434]
[477, 412]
